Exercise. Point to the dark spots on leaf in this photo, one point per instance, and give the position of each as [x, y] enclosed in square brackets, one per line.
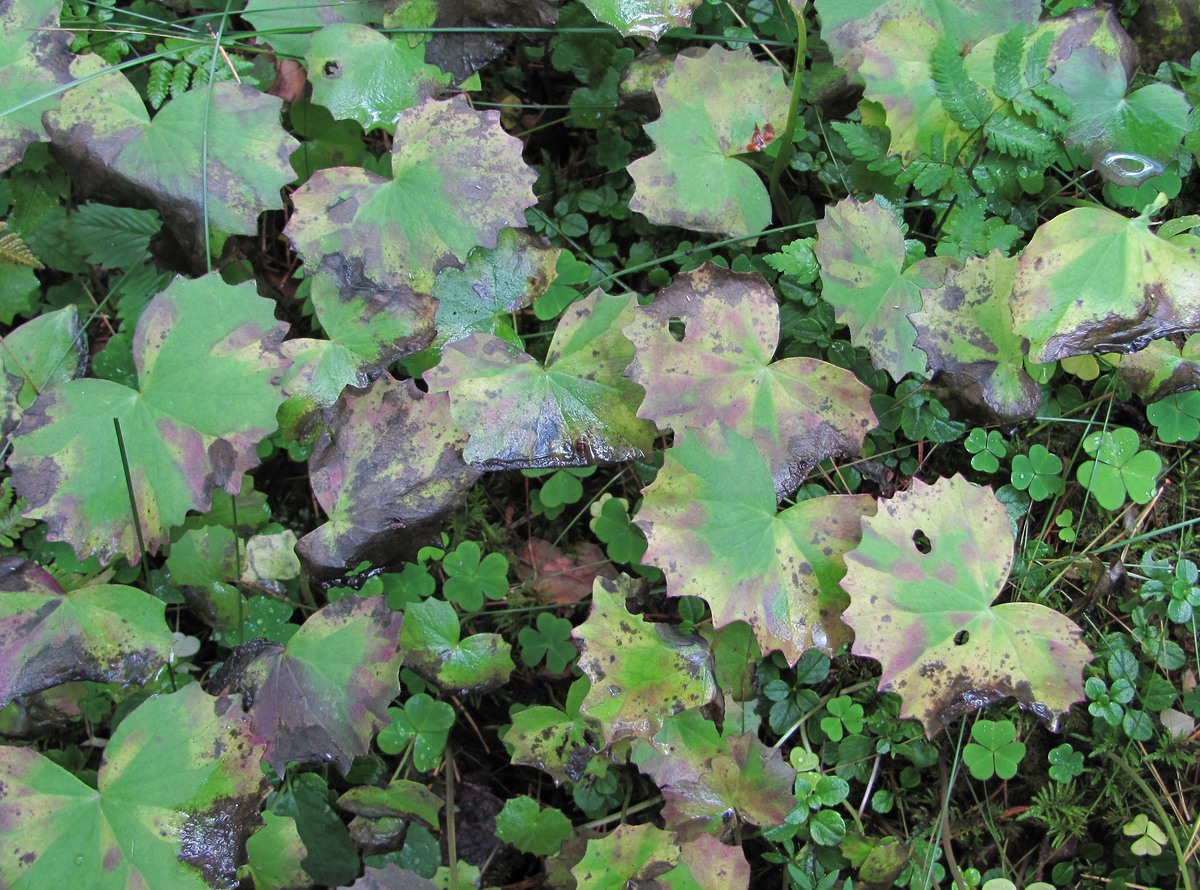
[112, 858]
[222, 457]
[921, 541]
[961, 638]
[761, 138]
[332, 69]
[27, 859]
[214, 839]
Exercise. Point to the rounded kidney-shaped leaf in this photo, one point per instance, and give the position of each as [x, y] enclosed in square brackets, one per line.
[208, 366]
[921, 587]
[179, 792]
[643, 18]
[33, 61]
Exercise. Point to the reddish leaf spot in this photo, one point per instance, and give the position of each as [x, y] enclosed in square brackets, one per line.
[761, 137]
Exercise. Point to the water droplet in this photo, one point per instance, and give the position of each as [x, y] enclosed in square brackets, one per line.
[1124, 168]
[79, 860]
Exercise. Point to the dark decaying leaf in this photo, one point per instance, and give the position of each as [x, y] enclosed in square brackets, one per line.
[642, 672]
[180, 790]
[33, 61]
[798, 411]
[104, 137]
[106, 633]
[208, 365]
[457, 180]
[385, 471]
[965, 329]
[921, 587]
[323, 696]
[1161, 369]
[577, 410]
[462, 52]
[705, 776]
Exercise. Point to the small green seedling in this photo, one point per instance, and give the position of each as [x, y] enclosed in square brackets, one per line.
[469, 578]
[1038, 472]
[624, 542]
[1149, 838]
[551, 640]
[424, 724]
[1177, 417]
[846, 718]
[1065, 522]
[987, 448]
[1119, 468]
[994, 751]
[1179, 588]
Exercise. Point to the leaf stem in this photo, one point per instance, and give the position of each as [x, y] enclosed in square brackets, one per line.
[137, 522]
[785, 138]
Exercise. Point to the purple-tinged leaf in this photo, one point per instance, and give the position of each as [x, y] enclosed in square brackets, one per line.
[1161, 369]
[644, 856]
[577, 410]
[41, 354]
[106, 633]
[179, 792]
[321, 697]
[457, 180]
[710, 518]
[386, 470]
[798, 411]
[642, 672]
[208, 365]
[33, 61]
[965, 328]
[921, 587]
[705, 778]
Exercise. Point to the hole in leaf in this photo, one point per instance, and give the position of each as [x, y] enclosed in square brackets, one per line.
[921, 541]
[677, 328]
[961, 637]
[332, 69]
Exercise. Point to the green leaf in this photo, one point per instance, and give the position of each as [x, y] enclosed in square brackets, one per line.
[274, 853]
[361, 74]
[425, 724]
[400, 799]
[861, 249]
[33, 62]
[1138, 286]
[532, 829]
[392, 469]
[432, 647]
[798, 411]
[1039, 473]
[1176, 418]
[207, 362]
[322, 696]
[1149, 837]
[636, 855]
[114, 237]
[642, 672]
[710, 518]
[921, 585]
[624, 541]
[457, 180]
[332, 856]
[703, 776]
[551, 640]
[178, 794]
[1159, 370]
[964, 327]
[289, 26]
[643, 18]
[38, 356]
[1065, 763]
[1119, 468]
[715, 107]
[101, 130]
[994, 751]
[576, 410]
[106, 633]
[469, 578]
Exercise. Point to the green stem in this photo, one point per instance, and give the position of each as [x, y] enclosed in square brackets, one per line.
[1167, 825]
[785, 138]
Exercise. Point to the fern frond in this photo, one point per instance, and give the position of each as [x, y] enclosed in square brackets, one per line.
[1037, 60]
[181, 79]
[1014, 137]
[865, 143]
[158, 86]
[964, 99]
[1006, 64]
[14, 250]
[12, 523]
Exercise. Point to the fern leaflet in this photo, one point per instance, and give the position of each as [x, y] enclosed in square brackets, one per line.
[14, 250]
[1006, 64]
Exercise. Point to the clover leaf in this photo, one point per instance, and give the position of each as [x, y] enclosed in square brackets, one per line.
[551, 639]
[986, 448]
[1176, 418]
[1065, 763]
[1149, 838]
[532, 829]
[1119, 468]
[994, 751]
[624, 541]
[845, 717]
[424, 724]
[1038, 473]
[469, 579]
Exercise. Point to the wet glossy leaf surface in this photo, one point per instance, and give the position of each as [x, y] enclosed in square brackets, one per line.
[714, 107]
[641, 672]
[574, 411]
[711, 521]
[641, 854]
[179, 791]
[1137, 286]
[107, 633]
[921, 589]
[33, 60]
[322, 696]
[433, 648]
[798, 411]
[393, 467]
[196, 337]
